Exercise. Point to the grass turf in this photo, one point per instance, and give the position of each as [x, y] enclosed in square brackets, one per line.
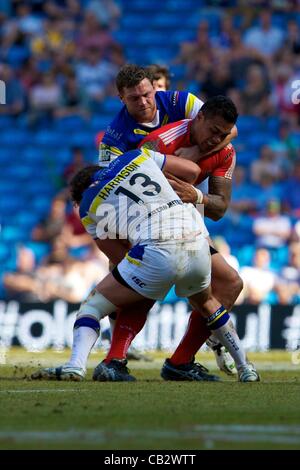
[149, 414]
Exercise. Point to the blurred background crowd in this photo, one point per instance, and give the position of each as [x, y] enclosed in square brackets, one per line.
[59, 59]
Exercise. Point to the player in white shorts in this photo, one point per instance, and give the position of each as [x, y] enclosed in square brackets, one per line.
[133, 200]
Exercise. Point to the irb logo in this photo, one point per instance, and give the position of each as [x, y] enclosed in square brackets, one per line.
[2, 92]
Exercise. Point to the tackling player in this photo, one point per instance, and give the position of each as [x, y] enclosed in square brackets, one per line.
[166, 250]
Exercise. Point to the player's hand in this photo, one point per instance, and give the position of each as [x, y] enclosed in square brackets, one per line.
[189, 153]
[185, 191]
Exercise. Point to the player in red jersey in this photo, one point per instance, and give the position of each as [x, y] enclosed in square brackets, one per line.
[205, 134]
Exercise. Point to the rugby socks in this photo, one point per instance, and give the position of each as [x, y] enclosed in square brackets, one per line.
[221, 326]
[127, 326]
[112, 321]
[196, 334]
[85, 334]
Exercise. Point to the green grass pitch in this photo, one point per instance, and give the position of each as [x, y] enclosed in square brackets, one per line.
[150, 414]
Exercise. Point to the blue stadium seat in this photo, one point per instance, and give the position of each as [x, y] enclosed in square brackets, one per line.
[70, 123]
[99, 123]
[5, 121]
[81, 139]
[111, 105]
[17, 55]
[15, 234]
[245, 255]
[15, 137]
[246, 157]
[4, 252]
[41, 206]
[47, 138]
[248, 123]
[256, 140]
[40, 249]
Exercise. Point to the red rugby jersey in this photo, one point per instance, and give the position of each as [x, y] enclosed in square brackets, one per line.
[173, 136]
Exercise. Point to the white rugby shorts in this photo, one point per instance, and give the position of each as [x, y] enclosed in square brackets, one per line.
[152, 269]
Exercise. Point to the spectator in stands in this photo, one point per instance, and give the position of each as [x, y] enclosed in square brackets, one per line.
[218, 81]
[259, 279]
[273, 229]
[74, 100]
[45, 98]
[225, 250]
[255, 95]
[268, 189]
[95, 75]
[292, 193]
[242, 200]
[265, 37]
[92, 35]
[52, 226]
[106, 11]
[266, 163]
[288, 281]
[15, 98]
[75, 165]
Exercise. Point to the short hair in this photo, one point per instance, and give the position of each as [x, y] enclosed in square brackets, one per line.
[220, 106]
[131, 75]
[81, 181]
[159, 71]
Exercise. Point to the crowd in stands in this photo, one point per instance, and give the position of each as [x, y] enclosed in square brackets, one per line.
[59, 59]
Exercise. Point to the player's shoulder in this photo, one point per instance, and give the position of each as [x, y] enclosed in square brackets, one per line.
[171, 97]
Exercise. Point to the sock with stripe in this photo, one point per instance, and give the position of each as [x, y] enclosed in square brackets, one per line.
[196, 334]
[219, 323]
[85, 334]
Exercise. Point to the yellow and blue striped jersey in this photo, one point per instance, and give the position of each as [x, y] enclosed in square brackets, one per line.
[125, 133]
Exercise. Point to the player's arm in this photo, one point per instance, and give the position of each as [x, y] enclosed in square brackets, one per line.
[215, 202]
[184, 169]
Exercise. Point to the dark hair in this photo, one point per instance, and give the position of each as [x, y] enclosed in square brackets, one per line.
[81, 181]
[220, 106]
[131, 75]
[159, 71]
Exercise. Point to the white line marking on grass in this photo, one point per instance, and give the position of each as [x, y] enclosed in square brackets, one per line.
[44, 390]
[208, 434]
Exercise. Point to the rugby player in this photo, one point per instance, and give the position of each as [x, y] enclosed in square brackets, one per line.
[145, 111]
[167, 250]
[216, 114]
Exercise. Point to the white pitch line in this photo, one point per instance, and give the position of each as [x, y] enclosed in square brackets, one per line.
[44, 390]
[208, 433]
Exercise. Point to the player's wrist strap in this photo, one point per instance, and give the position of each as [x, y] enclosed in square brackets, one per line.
[199, 199]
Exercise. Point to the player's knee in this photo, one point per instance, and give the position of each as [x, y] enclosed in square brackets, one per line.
[238, 284]
[96, 306]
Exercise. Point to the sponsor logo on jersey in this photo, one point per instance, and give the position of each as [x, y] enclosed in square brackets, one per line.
[113, 133]
[175, 98]
[140, 132]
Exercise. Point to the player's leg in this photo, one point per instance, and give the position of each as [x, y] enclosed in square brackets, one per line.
[224, 275]
[103, 300]
[218, 321]
[129, 323]
[181, 365]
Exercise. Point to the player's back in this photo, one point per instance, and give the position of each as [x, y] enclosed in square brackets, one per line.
[132, 199]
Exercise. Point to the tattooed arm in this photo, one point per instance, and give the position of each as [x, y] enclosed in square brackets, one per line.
[217, 200]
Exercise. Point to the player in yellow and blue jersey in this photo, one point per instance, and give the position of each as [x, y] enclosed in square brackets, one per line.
[144, 110]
